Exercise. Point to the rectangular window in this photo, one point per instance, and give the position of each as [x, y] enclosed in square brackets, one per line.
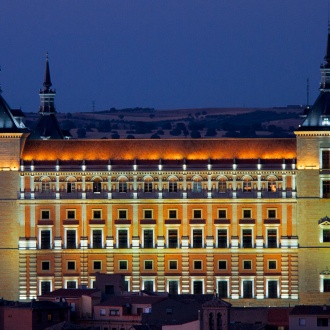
[97, 265]
[126, 286]
[247, 289]
[326, 235]
[272, 289]
[272, 264]
[172, 238]
[122, 239]
[326, 159]
[222, 264]
[97, 238]
[102, 312]
[148, 238]
[148, 264]
[97, 214]
[71, 285]
[147, 186]
[114, 312]
[247, 214]
[172, 214]
[222, 214]
[198, 287]
[247, 238]
[148, 285]
[45, 265]
[222, 186]
[123, 264]
[172, 186]
[45, 287]
[198, 264]
[71, 187]
[122, 186]
[302, 322]
[197, 186]
[71, 239]
[147, 214]
[45, 239]
[271, 214]
[122, 214]
[322, 322]
[247, 264]
[222, 238]
[71, 214]
[326, 188]
[271, 238]
[197, 238]
[173, 287]
[173, 264]
[326, 285]
[71, 265]
[223, 289]
[197, 214]
[45, 215]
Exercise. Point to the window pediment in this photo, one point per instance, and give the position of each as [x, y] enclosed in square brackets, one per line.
[324, 221]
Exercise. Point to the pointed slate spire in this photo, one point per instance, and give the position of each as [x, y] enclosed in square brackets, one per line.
[47, 82]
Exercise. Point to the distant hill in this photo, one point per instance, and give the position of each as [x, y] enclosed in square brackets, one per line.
[179, 123]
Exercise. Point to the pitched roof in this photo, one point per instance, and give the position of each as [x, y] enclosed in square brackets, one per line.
[172, 149]
[70, 293]
[46, 128]
[310, 310]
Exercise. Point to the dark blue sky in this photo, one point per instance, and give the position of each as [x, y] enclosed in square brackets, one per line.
[164, 54]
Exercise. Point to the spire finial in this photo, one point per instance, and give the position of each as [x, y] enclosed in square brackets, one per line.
[47, 82]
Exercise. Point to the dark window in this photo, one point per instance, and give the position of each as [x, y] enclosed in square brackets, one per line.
[222, 186]
[197, 238]
[326, 188]
[97, 214]
[223, 289]
[326, 159]
[97, 265]
[247, 264]
[197, 264]
[247, 238]
[45, 239]
[222, 238]
[71, 214]
[147, 214]
[247, 289]
[123, 264]
[326, 285]
[247, 214]
[122, 214]
[71, 239]
[45, 287]
[126, 287]
[173, 264]
[322, 322]
[197, 214]
[173, 186]
[326, 235]
[148, 238]
[172, 214]
[71, 187]
[122, 239]
[272, 264]
[97, 239]
[71, 284]
[71, 265]
[45, 265]
[173, 287]
[272, 289]
[148, 264]
[222, 214]
[109, 289]
[122, 186]
[45, 215]
[222, 264]
[149, 286]
[148, 186]
[271, 214]
[172, 238]
[97, 186]
[272, 238]
[198, 287]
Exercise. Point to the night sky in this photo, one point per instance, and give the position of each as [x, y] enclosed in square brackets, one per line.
[164, 54]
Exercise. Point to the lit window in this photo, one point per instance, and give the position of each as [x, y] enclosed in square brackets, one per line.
[45, 185]
[272, 185]
[247, 185]
[222, 185]
[114, 312]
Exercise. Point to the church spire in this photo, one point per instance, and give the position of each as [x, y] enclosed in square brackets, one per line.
[47, 95]
[325, 67]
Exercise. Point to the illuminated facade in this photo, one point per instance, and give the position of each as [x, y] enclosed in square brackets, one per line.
[244, 217]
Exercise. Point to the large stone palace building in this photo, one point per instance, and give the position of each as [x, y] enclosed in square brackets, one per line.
[247, 218]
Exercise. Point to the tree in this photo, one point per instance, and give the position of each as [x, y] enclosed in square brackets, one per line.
[115, 136]
[211, 132]
[130, 136]
[154, 136]
[195, 134]
[81, 133]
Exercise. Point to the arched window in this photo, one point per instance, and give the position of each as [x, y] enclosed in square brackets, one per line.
[197, 184]
[247, 184]
[173, 185]
[272, 184]
[45, 185]
[97, 185]
[148, 185]
[71, 185]
[122, 185]
[222, 185]
[211, 321]
[219, 321]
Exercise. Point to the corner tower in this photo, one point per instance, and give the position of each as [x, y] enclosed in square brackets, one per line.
[313, 199]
